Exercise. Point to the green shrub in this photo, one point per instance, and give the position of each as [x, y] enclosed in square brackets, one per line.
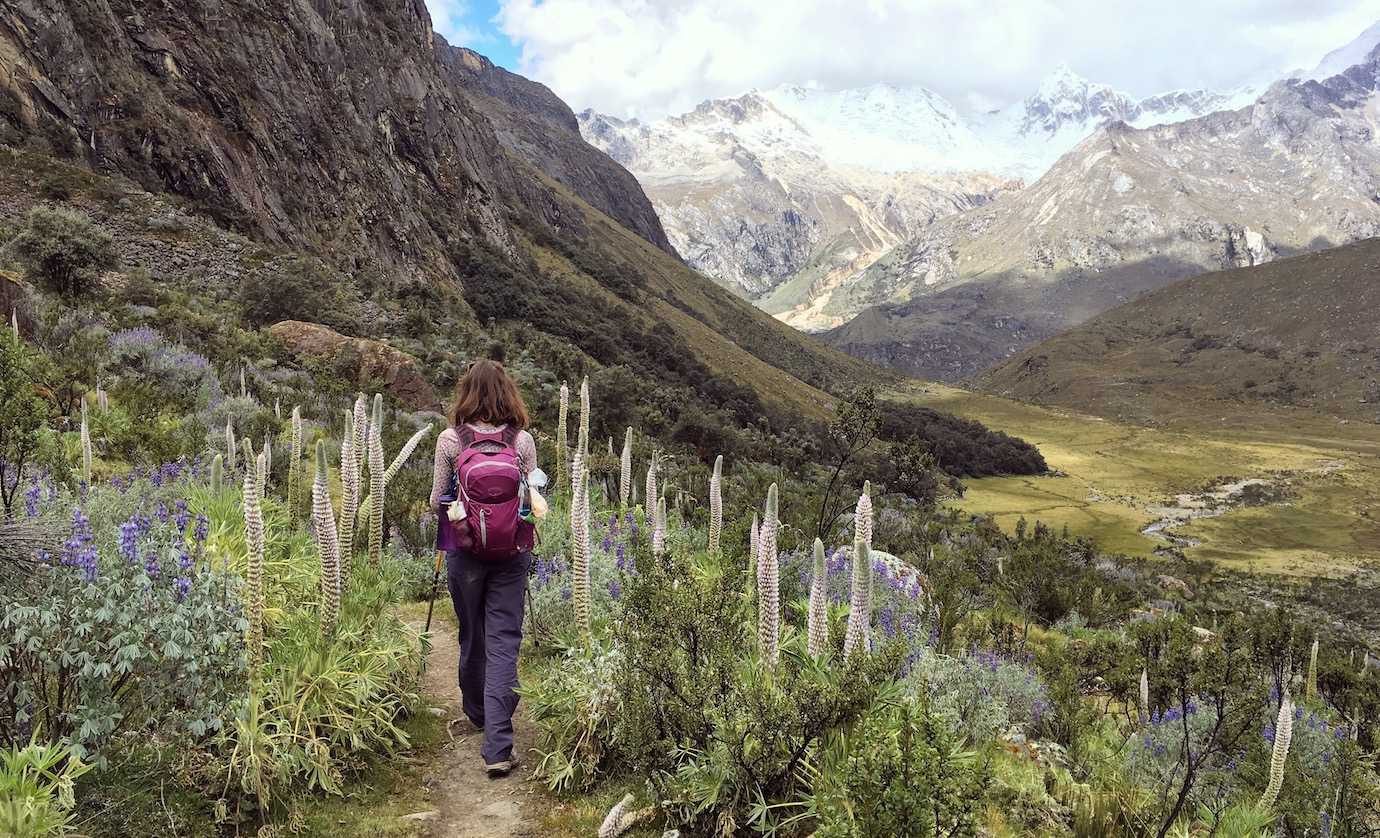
[301, 289]
[126, 630]
[322, 702]
[712, 727]
[899, 772]
[36, 783]
[64, 251]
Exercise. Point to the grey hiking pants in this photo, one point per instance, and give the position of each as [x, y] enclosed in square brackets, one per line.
[488, 599]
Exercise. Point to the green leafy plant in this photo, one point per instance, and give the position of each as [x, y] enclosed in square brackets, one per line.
[36, 789]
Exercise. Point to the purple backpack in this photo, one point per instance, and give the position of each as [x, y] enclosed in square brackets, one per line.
[490, 485]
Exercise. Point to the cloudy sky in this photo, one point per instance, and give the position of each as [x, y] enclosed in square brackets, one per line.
[650, 57]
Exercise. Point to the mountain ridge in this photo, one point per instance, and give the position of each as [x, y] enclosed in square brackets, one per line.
[1296, 333]
[1126, 211]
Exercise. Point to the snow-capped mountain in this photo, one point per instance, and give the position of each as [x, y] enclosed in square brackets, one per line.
[1342, 58]
[787, 194]
[1127, 210]
[751, 197]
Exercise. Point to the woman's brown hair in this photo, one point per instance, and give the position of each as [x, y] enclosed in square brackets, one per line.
[486, 393]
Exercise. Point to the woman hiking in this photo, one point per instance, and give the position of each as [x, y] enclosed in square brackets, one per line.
[479, 488]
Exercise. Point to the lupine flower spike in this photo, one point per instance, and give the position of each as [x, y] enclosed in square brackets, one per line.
[85, 444]
[716, 504]
[327, 543]
[649, 502]
[659, 528]
[819, 604]
[625, 473]
[231, 447]
[244, 391]
[1144, 695]
[583, 440]
[295, 460]
[218, 472]
[350, 477]
[579, 543]
[254, 564]
[1284, 731]
[14, 324]
[858, 636]
[376, 482]
[1311, 688]
[404, 453]
[622, 817]
[277, 409]
[562, 445]
[769, 583]
[267, 467]
[754, 547]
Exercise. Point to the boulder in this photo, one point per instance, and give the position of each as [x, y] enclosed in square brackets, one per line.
[368, 363]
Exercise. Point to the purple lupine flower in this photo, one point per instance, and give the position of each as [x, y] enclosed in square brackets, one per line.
[613, 523]
[615, 589]
[181, 517]
[607, 544]
[161, 512]
[80, 548]
[31, 497]
[565, 593]
[203, 529]
[151, 564]
[620, 556]
[183, 585]
[184, 562]
[129, 540]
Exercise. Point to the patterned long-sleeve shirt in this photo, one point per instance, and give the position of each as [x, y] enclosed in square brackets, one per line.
[448, 448]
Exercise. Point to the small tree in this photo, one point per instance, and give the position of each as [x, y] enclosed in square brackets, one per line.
[22, 418]
[853, 429]
[64, 250]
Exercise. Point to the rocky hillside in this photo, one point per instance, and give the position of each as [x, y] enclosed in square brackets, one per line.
[1297, 332]
[748, 198]
[439, 188]
[789, 194]
[1126, 211]
[534, 125]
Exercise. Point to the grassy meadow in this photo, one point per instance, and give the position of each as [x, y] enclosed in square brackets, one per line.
[1109, 474]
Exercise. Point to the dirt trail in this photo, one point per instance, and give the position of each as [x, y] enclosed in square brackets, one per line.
[467, 803]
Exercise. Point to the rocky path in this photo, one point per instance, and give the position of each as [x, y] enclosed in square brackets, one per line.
[466, 803]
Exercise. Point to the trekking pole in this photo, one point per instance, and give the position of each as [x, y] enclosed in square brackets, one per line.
[435, 583]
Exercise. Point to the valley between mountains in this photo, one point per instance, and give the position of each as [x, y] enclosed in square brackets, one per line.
[984, 472]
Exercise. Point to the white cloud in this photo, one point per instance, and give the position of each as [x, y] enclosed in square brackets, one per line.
[653, 56]
[452, 18]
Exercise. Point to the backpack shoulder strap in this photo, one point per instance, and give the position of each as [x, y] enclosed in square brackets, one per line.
[510, 435]
[466, 435]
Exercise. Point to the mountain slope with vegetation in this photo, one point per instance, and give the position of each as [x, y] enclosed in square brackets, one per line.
[417, 175]
[1295, 333]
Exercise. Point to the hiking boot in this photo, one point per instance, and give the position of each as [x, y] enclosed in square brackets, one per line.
[502, 768]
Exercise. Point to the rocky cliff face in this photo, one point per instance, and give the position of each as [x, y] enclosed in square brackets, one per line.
[1126, 211]
[330, 126]
[536, 126]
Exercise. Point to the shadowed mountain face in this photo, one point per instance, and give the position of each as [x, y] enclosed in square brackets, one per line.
[534, 125]
[1298, 332]
[417, 171]
[1126, 211]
